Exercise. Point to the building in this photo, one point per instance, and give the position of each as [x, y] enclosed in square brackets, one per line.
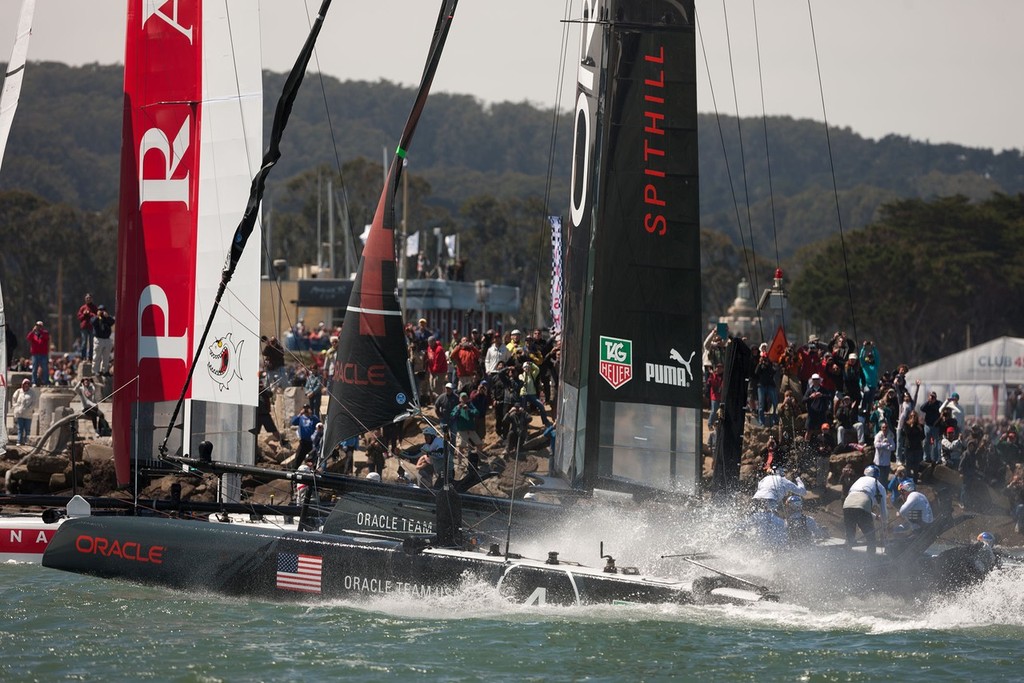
[446, 304]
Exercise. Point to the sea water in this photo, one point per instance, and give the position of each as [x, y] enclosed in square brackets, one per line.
[61, 627]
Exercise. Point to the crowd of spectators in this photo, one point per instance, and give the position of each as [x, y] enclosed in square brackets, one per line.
[840, 396]
[463, 379]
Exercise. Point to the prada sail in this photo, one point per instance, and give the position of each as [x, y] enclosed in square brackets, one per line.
[191, 136]
[631, 393]
[372, 383]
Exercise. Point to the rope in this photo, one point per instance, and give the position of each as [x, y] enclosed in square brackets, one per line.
[832, 168]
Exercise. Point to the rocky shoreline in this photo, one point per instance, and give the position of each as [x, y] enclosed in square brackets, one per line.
[45, 468]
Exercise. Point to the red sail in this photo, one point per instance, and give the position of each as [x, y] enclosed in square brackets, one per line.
[191, 138]
[157, 231]
[372, 384]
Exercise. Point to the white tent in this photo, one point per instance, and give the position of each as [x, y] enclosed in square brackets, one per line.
[981, 375]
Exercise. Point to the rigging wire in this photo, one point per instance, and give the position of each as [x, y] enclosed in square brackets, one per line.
[767, 154]
[337, 162]
[552, 145]
[832, 168]
[330, 128]
[743, 164]
[725, 154]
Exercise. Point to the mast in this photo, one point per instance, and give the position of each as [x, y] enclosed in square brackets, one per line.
[373, 383]
[630, 413]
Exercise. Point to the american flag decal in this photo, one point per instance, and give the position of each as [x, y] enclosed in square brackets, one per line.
[299, 572]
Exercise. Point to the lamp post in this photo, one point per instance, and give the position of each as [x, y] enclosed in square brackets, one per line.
[483, 296]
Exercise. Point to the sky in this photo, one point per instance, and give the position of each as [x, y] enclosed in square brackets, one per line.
[933, 70]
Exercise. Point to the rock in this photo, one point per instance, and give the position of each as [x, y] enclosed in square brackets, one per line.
[21, 473]
[46, 464]
[51, 400]
[98, 452]
[59, 482]
[836, 463]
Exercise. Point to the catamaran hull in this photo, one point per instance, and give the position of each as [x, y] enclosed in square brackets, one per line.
[289, 566]
[406, 512]
[24, 538]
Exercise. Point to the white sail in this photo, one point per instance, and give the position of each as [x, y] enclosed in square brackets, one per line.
[3, 376]
[13, 78]
[8, 105]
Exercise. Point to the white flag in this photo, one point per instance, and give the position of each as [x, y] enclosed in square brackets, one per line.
[450, 243]
[365, 234]
[412, 244]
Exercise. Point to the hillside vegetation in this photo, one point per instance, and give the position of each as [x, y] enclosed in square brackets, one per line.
[483, 172]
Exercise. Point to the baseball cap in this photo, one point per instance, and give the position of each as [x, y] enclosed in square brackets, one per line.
[448, 386]
[815, 376]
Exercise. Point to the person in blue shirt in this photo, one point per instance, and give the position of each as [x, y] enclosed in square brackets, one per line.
[314, 387]
[306, 421]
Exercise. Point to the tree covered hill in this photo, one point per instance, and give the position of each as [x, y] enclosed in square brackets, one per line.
[482, 172]
[66, 139]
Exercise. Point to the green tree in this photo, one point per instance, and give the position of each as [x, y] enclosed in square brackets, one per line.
[918, 277]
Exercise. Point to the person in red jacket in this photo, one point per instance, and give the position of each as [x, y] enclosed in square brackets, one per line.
[437, 367]
[39, 348]
[467, 363]
[715, 392]
[86, 313]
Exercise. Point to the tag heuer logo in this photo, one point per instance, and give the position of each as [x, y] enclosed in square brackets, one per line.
[616, 361]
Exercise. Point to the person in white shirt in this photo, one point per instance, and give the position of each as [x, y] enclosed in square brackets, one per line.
[497, 352]
[23, 405]
[951, 448]
[884, 448]
[915, 510]
[953, 403]
[865, 494]
[774, 488]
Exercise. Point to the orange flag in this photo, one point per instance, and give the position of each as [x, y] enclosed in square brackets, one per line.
[778, 346]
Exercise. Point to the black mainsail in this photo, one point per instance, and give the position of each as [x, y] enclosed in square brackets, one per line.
[372, 383]
[630, 414]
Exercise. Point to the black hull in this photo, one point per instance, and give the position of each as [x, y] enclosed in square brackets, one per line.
[905, 568]
[396, 511]
[409, 512]
[244, 562]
